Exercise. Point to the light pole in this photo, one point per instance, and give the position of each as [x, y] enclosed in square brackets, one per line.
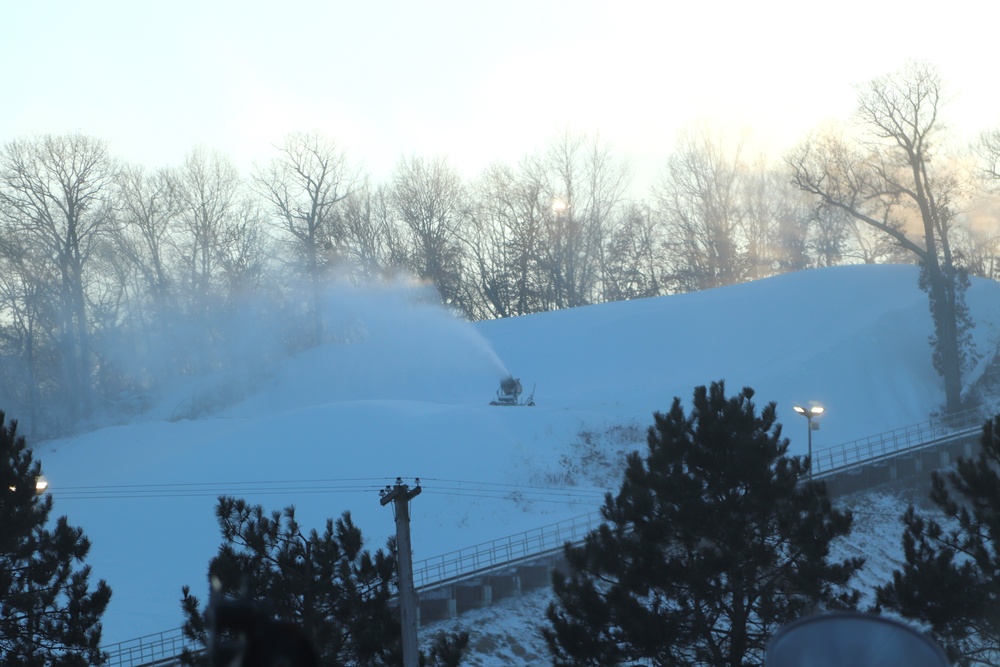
[809, 413]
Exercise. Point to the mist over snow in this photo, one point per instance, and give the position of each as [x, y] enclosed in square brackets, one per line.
[406, 390]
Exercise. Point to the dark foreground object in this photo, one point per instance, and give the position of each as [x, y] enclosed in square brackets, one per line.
[851, 639]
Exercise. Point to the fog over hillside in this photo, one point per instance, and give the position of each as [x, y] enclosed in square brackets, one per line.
[407, 394]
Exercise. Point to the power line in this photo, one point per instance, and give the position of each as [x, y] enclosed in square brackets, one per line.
[380, 480]
[526, 499]
[523, 489]
[216, 488]
[203, 494]
[515, 486]
[555, 491]
[449, 487]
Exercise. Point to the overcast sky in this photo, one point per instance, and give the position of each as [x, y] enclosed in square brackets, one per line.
[472, 81]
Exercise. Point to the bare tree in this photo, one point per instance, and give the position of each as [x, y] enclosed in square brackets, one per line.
[503, 243]
[29, 366]
[209, 188]
[374, 244]
[428, 197]
[979, 244]
[243, 249]
[793, 221]
[988, 151]
[221, 246]
[765, 199]
[302, 188]
[889, 181]
[700, 197]
[583, 185]
[57, 192]
[828, 232]
[634, 266]
[149, 207]
[551, 233]
[983, 242]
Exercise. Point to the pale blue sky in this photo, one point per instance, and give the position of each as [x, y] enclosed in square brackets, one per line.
[476, 82]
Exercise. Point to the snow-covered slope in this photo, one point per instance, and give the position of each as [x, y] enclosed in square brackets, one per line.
[408, 396]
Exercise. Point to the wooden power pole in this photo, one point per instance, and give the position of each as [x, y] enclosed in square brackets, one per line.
[400, 496]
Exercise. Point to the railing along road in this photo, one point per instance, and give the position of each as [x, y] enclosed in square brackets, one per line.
[866, 451]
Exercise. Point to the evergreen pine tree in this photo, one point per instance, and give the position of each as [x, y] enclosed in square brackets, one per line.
[949, 579]
[714, 541]
[325, 584]
[48, 613]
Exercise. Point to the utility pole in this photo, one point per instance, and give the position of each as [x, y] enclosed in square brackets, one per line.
[400, 496]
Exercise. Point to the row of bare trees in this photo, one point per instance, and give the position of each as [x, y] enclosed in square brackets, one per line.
[111, 273]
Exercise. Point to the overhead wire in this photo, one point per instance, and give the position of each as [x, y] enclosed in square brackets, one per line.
[516, 492]
[216, 488]
[448, 487]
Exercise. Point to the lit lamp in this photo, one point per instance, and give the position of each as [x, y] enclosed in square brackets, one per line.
[40, 486]
[809, 413]
[559, 206]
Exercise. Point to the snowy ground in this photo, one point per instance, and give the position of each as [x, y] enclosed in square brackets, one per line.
[409, 397]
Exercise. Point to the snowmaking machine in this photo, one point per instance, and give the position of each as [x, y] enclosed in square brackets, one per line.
[510, 391]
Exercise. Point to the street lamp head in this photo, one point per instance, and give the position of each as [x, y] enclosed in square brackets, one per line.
[810, 412]
[41, 485]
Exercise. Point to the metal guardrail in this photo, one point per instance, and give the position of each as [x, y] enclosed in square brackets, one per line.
[501, 554]
[868, 450]
[161, 648]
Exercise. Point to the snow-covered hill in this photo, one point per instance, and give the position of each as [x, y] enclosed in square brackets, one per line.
[409, 396]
